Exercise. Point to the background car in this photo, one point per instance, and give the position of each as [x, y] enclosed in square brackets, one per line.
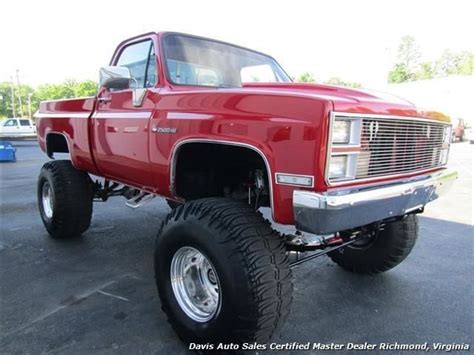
[17, 128]
[459, 130]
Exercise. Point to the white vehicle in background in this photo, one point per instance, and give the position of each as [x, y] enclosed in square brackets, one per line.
[17, 128]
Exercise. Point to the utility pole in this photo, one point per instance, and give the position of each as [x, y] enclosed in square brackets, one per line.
[19, 94]
[29, 104]
[13, 97]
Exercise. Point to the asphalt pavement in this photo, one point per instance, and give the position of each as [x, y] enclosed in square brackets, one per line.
[96, 294]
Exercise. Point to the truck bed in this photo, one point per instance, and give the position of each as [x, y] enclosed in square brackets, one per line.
[70, 118]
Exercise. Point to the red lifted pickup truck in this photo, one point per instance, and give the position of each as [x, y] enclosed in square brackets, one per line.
[221, 131]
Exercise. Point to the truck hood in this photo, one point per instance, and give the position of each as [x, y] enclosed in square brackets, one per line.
[354, 100]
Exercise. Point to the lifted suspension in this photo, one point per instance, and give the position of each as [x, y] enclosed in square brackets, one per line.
[135, 197]
[327, 249]
[327, 244]
[102, 192]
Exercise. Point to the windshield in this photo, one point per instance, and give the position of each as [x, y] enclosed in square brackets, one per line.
[196, 61]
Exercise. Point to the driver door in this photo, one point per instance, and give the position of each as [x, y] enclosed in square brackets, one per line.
[121, 126]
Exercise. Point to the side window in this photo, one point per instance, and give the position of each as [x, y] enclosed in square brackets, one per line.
[24, 123]
[11, 123]
[139, 58]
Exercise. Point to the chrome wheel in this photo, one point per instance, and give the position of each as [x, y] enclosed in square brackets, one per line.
[195, 284]
[47, 200]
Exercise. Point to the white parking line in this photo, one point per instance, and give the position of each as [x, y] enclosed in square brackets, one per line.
[114, 296]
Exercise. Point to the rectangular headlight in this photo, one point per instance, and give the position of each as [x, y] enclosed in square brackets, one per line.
[447, 134]
[443, 157]
[341, 131]
[338, 166]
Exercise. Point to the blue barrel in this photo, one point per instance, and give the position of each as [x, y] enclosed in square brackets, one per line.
[7, 151]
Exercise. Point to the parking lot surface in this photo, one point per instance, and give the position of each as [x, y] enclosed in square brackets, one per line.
[96, 294]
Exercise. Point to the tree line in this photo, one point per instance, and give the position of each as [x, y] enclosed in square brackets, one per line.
[308, 77]
[410, 67]
[26, 99]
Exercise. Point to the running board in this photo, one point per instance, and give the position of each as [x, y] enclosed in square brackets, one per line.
[139, 200]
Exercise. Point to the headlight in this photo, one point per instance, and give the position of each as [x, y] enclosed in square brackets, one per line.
[447, 134]
[338, 166]
[443, 157]
[341, 131]
[344, 148]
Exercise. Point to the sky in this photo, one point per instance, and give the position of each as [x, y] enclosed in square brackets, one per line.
[50, 41]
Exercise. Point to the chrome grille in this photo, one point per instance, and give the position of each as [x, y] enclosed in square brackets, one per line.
[398, 146]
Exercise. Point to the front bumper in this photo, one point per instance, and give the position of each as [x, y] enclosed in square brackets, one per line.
[343, 209]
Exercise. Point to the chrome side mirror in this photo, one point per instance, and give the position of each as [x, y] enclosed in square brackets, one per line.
[112, 77]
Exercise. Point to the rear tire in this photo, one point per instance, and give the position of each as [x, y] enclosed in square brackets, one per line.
[388, 248]
[247, 263]
[64, 199]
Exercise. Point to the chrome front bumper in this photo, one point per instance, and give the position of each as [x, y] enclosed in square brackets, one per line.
[342, 209]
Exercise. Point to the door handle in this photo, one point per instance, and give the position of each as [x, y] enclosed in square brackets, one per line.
[104, 99]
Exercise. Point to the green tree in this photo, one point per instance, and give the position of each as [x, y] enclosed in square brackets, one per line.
[67, 89]
[408, 53]
[408, 67]
[306, 77]
[400, 74]
[54, 92]
[455, 63]
[467, 64]
[6, 102]
[408, 56]
[425, 72]
[86, 88]
[339, 82]
[449, 63]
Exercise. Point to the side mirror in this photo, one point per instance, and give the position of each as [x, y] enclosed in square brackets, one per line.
[112, 77]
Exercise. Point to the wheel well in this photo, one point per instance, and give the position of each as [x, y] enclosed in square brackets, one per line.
[212, 169]
[56, 143]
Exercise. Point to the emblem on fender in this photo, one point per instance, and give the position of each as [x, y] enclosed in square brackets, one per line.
[164, 130]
